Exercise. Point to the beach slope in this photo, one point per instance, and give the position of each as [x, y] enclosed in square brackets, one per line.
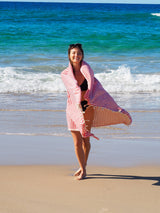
[39, 189]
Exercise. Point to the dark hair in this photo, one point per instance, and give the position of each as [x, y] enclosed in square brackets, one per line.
[77, 45]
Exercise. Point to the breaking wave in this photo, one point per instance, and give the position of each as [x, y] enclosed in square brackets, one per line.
[121, 80]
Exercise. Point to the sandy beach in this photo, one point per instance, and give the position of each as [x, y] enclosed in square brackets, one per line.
[39, 189]
[36, 176]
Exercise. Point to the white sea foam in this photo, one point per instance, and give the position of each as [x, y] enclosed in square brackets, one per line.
[155, 14]
[17, 80]
[121, 80]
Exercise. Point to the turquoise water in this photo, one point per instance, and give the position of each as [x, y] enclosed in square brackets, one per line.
[120, 41]
[102, 28]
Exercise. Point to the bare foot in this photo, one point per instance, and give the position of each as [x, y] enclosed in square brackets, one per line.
[78, 172]
[82, 175]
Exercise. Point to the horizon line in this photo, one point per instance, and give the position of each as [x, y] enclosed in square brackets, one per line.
[45, 1]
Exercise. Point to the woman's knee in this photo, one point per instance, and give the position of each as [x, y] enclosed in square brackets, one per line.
[77, 139]
[86, 143]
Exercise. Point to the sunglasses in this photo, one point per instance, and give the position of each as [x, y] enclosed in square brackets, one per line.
[75, 45]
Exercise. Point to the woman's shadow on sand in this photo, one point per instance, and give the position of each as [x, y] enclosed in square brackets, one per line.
[126, 177]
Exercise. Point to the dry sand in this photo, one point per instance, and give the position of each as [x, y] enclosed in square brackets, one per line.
[123, 176]
[53, 189]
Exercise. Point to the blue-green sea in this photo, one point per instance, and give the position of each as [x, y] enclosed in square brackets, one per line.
[121, 43]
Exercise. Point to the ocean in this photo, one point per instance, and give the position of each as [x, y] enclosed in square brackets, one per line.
[120, 41]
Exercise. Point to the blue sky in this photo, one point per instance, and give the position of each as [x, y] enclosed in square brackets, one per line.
[98, 1]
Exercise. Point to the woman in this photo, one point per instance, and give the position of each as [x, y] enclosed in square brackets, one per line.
[88, 105]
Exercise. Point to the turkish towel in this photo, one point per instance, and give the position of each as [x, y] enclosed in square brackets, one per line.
[106, 110]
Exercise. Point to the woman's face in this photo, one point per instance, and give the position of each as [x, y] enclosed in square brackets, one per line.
[75, 55]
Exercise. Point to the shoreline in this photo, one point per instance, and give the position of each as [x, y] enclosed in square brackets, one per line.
[59, 150]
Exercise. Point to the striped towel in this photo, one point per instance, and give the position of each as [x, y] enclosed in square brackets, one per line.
[106, 110]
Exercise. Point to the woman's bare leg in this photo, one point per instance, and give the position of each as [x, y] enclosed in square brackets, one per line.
[88, 116]
[86, 148]
[77, 138]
